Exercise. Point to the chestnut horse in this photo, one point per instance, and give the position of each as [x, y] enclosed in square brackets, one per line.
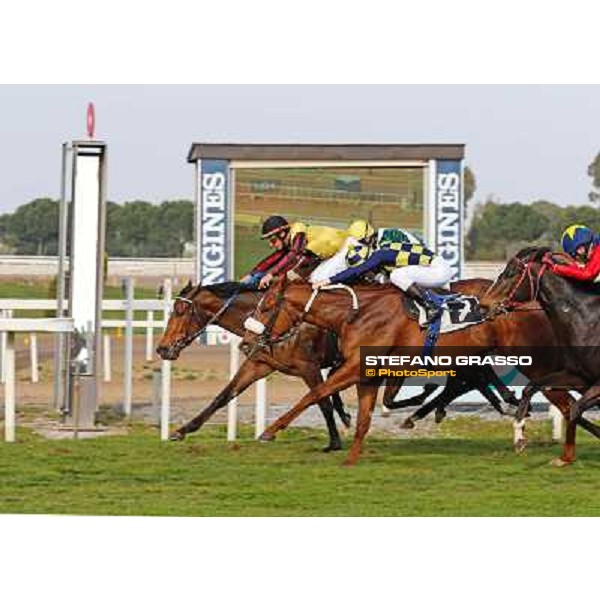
[528, 327]
[381, 319]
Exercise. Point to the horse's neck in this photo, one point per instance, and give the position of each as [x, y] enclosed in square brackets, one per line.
[232, 319]
[573, 313]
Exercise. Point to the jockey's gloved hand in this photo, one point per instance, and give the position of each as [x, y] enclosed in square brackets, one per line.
[319, 284]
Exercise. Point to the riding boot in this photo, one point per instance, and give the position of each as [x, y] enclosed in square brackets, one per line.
[432, 310]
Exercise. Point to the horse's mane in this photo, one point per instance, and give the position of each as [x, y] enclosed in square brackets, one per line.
[225, 290]
[533, 253]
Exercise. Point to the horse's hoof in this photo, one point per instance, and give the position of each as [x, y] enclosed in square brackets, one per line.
[333, 447]
[560, 462]
[440, 415]
[265, 436]
[407, 424]
[520, 446]
[346, 420]
[177, 436]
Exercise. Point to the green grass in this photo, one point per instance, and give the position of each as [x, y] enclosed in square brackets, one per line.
[469, 469]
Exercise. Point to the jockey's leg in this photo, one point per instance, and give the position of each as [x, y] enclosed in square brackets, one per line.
[332, 266]
[413, 278]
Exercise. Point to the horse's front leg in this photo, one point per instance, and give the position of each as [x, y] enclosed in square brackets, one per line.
[313, 377]
[347, 375]
[367, 396]
[248, 373]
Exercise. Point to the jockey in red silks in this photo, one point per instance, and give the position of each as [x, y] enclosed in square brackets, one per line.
[579, 242]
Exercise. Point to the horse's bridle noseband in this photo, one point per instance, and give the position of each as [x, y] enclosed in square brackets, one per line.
[187, 340]
[509, 303]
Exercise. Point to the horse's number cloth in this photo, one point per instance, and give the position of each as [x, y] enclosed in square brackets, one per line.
[458, 312]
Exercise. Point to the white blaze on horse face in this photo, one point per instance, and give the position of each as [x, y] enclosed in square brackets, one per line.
[254, 326]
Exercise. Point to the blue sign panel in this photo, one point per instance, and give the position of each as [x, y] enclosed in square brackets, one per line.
[448, 213]
[214, 261]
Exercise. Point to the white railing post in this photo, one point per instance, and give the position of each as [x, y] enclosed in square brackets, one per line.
[3, 338]
[150, 335]
[558, 422]
[106, 358]
[261, 407]
[128, 354]
[33, 352]
[234, 366]
[165, 398]
[9, 388]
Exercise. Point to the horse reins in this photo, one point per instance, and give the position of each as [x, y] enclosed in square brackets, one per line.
[509, 303]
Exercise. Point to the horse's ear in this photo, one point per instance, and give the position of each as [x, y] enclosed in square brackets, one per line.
[188, 287]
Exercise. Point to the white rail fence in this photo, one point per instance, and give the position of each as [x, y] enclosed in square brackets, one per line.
[130, 305]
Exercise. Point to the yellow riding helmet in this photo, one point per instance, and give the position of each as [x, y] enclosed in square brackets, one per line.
[361, 230]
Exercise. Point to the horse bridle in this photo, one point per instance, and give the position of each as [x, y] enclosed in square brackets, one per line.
[509, 303]
[265, 340]
[187, 340]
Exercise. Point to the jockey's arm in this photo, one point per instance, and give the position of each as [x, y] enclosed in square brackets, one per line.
[589, 272]
[269, 262]
[376, 260]
[291, 258]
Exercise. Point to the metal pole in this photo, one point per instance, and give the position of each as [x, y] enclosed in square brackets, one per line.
[9, 390]
[106, 362]
[234, 366]
[128, 358]
[261, 407]
[60, 370]
[165, 400]
[33, 350]
[149, 336]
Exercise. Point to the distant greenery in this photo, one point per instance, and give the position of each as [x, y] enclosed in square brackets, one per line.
[133, 229]
[499, 230]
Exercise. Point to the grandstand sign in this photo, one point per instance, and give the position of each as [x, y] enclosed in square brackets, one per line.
[214, 260]
[448, 213]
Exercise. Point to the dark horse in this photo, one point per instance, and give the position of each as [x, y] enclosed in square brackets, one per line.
[572, 309]
[227, 305]
[526, 325]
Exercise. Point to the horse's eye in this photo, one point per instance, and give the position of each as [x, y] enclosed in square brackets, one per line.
[180, 307]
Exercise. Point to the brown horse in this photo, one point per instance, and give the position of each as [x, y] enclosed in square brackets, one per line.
[227, 305]
[382, 320]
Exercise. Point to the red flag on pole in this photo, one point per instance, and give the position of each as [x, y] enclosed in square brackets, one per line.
[91, 120]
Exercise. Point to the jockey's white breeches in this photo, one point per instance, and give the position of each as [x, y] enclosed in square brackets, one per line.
[436, 274]
[332, 266]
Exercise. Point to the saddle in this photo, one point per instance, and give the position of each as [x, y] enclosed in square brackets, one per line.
[459, 311]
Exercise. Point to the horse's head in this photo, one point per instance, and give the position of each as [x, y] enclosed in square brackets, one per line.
[519, 281]
[187, 320]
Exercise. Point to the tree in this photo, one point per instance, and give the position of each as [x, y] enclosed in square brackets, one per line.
[33, 227]
[498, 226]
[594, 172]
[470, 183]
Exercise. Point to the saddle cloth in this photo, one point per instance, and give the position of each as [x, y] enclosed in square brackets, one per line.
[459, 312]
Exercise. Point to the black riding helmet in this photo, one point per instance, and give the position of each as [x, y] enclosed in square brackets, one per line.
[274, 225]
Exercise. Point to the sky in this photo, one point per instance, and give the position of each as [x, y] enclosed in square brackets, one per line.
[524, 142]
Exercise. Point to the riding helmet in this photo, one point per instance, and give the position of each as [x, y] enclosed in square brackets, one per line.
[361, 230]
[575, 236]
[274, 225]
